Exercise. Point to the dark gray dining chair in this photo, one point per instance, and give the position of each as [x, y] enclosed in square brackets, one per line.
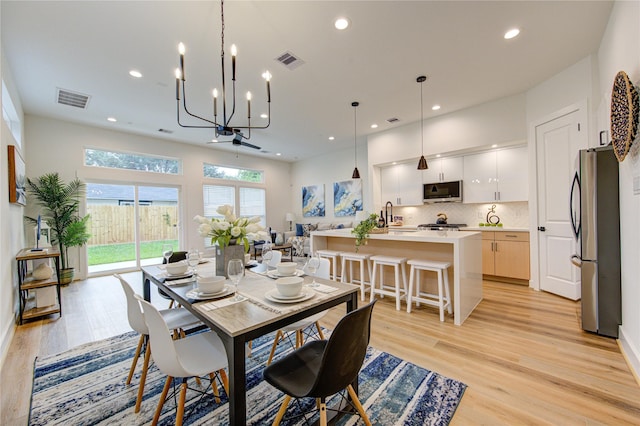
[322, 368]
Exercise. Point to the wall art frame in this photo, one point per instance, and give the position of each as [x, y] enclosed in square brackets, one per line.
[313, 201]
[17, 177]
[347, 197]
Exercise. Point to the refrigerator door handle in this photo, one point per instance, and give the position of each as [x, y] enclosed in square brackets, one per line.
[576, 260]
[574, 219]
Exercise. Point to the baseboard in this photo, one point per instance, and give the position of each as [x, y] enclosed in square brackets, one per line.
[6, 342]
[630, 353]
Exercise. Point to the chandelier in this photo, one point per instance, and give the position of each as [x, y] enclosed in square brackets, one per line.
[222, 126]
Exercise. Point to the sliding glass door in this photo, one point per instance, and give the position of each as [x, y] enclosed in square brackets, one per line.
[129, 225]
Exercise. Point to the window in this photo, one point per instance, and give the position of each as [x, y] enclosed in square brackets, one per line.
[231, 173]
[10, 116]
[250, 202]
[128, 161]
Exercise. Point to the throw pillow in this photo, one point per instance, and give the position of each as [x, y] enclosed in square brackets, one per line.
[307, 228]
[299, 230]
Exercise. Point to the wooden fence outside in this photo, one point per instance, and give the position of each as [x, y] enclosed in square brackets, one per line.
[111, 224]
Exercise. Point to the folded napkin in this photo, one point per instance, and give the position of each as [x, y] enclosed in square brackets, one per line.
[181, 281]
[210, 306]
[321, 288]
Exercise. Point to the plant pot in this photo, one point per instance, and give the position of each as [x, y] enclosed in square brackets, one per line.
[66, 275]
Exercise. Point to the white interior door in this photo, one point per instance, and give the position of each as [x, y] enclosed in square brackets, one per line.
[557, 145]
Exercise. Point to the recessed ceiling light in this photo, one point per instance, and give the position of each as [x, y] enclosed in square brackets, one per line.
[331, 138]
[435, 107]
[394, 163]
[341, 23]
[511, 33]
[374, 126]
[278, 154]
[495, 145]
[264, 116]
[214, 140]
[111, 119]
[135, 73]
[438, 155]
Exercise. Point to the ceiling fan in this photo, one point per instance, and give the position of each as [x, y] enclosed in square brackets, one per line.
[237, 139]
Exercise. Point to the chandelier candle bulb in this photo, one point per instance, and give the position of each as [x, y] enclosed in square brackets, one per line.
[234, 53]
[178, 74]
[181, 50]
[215, 102]
[248, 104]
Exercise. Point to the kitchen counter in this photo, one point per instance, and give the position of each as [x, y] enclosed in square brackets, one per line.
[494, 228]
[462, 249]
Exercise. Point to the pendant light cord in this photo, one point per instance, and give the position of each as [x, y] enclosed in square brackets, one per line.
[355, 134]
[421, 119]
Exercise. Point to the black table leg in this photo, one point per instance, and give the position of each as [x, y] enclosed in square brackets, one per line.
[237, 380]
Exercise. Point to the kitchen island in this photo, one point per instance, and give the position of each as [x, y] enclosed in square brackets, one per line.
[462, 249]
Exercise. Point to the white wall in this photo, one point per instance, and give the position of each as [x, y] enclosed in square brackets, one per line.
[327, 169]
[11, 236]
[620, 51]
[59, 146]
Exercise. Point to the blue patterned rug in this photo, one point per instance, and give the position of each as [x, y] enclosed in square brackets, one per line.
[85, 386]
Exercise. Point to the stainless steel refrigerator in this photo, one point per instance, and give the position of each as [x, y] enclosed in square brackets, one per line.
[595, 214]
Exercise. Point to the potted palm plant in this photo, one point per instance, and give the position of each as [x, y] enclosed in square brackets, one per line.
[60, 204]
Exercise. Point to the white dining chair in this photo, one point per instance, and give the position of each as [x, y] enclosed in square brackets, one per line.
[298, 327]
[176, 319]
[192, 356]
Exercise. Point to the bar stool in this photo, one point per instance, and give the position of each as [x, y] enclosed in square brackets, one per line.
[398, 264]
[430, 299]
[351, 258]
[333, 256]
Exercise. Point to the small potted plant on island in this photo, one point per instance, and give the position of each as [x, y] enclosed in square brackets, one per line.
[60, 203]
[363, 229]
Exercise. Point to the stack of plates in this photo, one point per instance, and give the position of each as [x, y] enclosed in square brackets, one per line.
[199, 295]
[275, 296]
[276, 274]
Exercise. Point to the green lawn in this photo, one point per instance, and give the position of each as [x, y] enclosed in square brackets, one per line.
[112, 253]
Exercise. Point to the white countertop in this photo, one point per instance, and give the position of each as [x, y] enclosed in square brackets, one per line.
[416, 236]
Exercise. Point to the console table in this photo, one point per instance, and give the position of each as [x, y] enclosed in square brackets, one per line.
[26, 282]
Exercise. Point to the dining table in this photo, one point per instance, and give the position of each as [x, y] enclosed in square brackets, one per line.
[254, 313]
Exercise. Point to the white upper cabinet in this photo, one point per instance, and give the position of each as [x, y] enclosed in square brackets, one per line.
[443, 170]
[500, 175]
[401, 184]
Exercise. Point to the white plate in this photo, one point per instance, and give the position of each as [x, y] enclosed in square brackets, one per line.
[214, 294]
[276, 274]
[178, 276]
[196, 295]
[274, 296]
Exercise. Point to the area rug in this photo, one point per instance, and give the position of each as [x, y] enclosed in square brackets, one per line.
[86, 386]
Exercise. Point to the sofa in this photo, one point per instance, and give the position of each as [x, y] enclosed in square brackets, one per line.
[299, 238]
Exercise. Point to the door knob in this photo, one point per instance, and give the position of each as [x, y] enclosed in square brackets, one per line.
[541, 228]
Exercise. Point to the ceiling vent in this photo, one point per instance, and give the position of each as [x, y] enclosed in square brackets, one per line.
[392, 120]
[290, 60]
[165, 131]
[74, 99]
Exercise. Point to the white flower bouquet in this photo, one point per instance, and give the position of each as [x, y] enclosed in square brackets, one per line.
[231, 230]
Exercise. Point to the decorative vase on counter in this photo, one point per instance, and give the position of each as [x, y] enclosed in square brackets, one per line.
[225, 254]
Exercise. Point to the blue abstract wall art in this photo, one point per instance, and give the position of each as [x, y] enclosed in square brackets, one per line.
[313, 201]
[347, 197]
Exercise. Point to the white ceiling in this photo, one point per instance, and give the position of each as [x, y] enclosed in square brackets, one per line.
[90, 46]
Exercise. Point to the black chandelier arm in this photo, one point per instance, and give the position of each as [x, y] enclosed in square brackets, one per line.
[184, 105]
[193, 126]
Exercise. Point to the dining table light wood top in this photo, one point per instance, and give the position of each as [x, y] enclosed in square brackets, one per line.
[238, 322]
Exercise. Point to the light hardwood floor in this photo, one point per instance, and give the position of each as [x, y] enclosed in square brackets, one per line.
[522, 354]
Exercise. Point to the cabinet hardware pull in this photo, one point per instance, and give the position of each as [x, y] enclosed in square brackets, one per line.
[511, 236]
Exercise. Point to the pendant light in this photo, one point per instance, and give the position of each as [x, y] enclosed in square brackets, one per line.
[422, 163]
[356, 173]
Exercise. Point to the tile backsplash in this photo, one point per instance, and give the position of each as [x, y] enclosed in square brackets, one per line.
[514, 215]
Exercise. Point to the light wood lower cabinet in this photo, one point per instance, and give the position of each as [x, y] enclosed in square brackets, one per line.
[505, 254]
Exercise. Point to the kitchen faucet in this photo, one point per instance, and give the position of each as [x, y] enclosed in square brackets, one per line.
[386, 214]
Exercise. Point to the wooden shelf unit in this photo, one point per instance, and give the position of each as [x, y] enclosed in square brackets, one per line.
[26, 282]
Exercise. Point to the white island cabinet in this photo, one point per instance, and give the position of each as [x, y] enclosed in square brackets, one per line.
[462, 249]
[500, 175]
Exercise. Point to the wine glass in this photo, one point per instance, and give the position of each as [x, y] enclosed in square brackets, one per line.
[235, 270]
[312, 266]
[193, 258]
[267, 254]
[167, 252]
